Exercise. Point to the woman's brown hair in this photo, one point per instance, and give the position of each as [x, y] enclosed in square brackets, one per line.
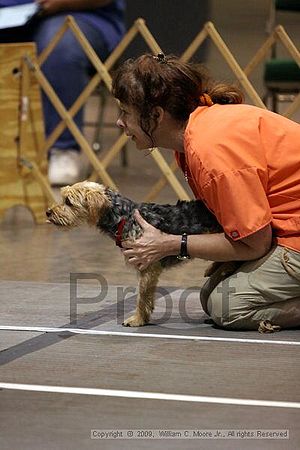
[149, 81]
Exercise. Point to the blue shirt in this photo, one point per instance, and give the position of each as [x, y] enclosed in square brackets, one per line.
[109, 19]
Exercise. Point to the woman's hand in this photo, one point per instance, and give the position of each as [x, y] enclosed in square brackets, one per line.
[50, 7]
[149, 248]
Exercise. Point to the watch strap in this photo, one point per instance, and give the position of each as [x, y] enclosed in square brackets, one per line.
[183, 248]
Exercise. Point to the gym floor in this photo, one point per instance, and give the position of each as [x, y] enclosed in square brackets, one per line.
[69, 367]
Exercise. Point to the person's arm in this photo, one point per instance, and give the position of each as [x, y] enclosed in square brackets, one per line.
[50, 7]
[154, 245]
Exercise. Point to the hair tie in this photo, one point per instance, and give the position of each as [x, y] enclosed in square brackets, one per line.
[160, 57]
[205, 100]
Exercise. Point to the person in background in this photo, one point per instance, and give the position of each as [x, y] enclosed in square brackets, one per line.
[243, 162]
[67, 68]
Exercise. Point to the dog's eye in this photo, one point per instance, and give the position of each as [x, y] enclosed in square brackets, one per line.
[67, 201]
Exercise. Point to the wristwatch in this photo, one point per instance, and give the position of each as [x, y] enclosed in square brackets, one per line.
[183, 248]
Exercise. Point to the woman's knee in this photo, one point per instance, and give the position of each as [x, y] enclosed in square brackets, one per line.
[67, 51]
[216, 310]
[46, 30]
[229, 314]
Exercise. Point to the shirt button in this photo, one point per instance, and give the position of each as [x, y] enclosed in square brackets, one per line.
[235, 234]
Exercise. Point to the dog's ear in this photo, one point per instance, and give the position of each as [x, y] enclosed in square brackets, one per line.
[95, 201]
[71, 196]
[64, 190]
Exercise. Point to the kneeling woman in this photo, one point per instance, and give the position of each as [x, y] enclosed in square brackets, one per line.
[243, 162]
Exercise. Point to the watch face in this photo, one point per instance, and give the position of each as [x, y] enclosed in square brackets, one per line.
[183, 247]
[182, 258]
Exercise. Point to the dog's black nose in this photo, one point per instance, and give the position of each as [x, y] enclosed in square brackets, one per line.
[48, 212]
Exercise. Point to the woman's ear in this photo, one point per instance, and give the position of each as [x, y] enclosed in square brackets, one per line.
[157, 114]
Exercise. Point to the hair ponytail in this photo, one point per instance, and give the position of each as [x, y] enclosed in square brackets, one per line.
[223, 94]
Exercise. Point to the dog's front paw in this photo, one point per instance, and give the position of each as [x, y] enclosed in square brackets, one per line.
[134, 321]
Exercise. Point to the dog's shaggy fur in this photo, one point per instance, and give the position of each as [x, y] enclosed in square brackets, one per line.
[93, 203]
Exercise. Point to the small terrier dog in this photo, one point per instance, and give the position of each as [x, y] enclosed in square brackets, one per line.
[97, 205]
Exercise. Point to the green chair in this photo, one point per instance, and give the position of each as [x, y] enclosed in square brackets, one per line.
[281, 76]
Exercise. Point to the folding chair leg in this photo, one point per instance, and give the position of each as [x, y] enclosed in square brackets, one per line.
[274, 102]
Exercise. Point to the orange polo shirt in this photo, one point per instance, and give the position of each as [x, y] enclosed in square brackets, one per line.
[244, 163]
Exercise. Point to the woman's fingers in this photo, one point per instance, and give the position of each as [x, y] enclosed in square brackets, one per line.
[141, 221]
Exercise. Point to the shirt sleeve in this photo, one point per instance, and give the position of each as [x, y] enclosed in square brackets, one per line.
[239, 201]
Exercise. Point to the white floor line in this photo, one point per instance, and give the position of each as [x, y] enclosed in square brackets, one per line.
[149, 395]
[145, 335]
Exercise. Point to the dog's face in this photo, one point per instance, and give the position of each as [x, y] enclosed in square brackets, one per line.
[81, 203]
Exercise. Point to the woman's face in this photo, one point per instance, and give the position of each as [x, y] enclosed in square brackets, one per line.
[129, 122]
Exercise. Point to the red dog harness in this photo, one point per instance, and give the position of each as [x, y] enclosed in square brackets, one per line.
[119, 232]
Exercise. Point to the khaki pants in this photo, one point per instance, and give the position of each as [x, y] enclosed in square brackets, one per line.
[265, 289]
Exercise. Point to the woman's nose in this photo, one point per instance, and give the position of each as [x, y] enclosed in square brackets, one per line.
[120, 123]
